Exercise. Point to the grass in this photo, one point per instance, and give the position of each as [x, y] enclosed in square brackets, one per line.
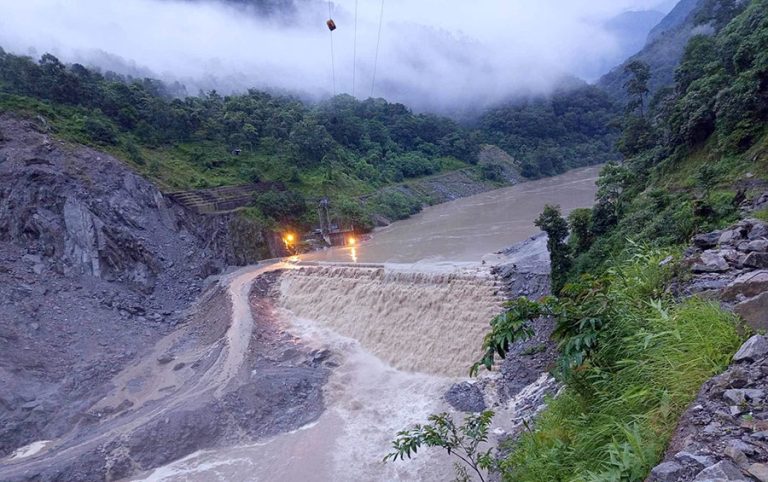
[616, 415]
[761, 214]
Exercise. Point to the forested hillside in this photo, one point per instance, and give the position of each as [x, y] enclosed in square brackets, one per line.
[573, 127]
[635, 343]
[341, 147]
[666, 43]
[634, 356]
[700, 149]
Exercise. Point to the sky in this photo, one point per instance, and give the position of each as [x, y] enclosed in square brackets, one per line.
[437, 55]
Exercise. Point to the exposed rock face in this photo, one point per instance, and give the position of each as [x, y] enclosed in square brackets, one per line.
[723, 435]
[96, 266]
[86, 213]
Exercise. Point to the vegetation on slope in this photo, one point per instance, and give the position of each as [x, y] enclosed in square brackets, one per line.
[666, 42]
[632, 357]
[572, 128]
[342, 148]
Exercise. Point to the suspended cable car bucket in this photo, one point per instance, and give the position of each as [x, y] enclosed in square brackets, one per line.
[331, 24]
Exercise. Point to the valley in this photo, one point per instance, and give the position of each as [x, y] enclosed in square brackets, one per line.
[519, 275]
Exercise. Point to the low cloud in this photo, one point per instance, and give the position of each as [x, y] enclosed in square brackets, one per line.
[443, 55]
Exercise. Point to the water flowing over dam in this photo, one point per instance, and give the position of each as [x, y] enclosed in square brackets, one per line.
[402, 331]
[408, 319]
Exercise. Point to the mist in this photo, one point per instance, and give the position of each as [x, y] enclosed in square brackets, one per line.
[436, 55]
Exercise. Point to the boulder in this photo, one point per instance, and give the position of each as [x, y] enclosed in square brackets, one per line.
[466, 397]
[742, 446]
[707, 240]
[759, 471]
[723, 470]
[748, 285]
[711, 262]
[739, 396]
[754, 311]
[757, 260]
[666, 472]
[760, 245]
[737, 456]
[753, 349]
[759, 230]
[689, 458]
[730, 237]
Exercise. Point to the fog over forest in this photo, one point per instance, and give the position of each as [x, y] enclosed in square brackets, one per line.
[441, 55]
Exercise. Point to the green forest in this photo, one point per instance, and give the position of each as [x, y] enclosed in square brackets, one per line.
[342, 147]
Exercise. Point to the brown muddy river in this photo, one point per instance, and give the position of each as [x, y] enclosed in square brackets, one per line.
[467, 229]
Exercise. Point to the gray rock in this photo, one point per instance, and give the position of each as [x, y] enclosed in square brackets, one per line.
[713, 428]
[742, 446]
[707, 240]
[748, 285]
[723, 470]
[711, 262]
[32, 258]
[730, 236]
[666, 472]
[760, 436]
[165, 359]
[689, 458]
[759, 230]
[741, 396]
[753, 349]
[759, 471]
[760, 245]
[737, 456]
[466, 397]
[754, 311]
[735, 411]
[757, 260]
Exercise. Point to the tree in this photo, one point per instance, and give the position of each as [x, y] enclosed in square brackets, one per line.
[637, 85]
[462, 442]
[580, 222]
[551, 222]
[610, 186]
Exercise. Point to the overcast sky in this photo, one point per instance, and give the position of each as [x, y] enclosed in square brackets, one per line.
[434, 54]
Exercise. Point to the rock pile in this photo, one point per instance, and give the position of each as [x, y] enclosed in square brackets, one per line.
[732, 266]
[724, 434]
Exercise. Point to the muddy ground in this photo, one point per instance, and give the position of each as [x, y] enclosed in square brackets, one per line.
[173, 397]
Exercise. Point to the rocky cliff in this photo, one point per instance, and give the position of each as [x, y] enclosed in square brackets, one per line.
[95, 266]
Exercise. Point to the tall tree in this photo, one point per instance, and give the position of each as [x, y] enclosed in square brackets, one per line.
[552, 222]
[637, 85]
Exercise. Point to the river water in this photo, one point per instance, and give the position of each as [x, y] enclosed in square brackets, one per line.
[405, 332]
[467, 229]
